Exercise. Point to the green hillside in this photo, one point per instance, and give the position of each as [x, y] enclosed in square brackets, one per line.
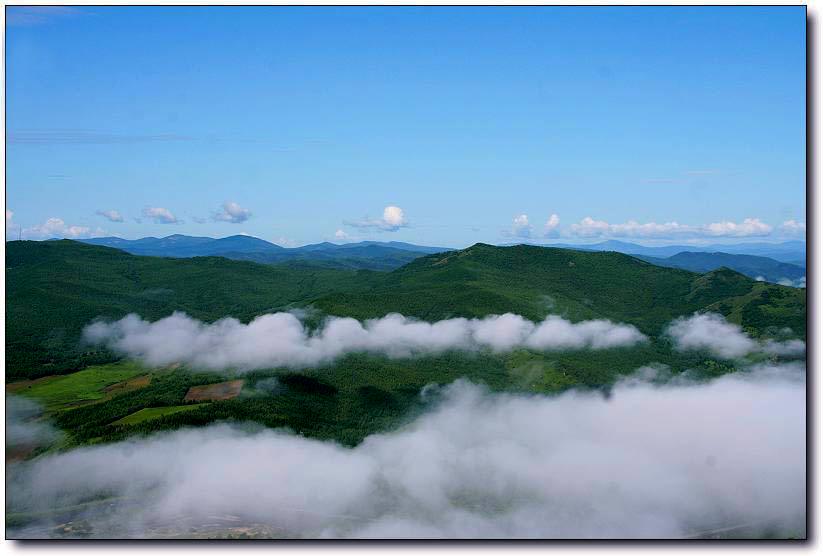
[55, 288]
[535, 281]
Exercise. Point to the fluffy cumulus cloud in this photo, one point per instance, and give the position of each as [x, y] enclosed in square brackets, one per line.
[111, 215]
[340, 235]
[665, 461]
[393, 219]
[551, 225]
[793, 227]
[160, 215]
[281, 339]
[748, 228]
[57, 228]
[521, 226]
[232, 212]
[591, 228]
[712, 333]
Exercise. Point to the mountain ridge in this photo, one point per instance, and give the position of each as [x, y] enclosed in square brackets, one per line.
[373, 255]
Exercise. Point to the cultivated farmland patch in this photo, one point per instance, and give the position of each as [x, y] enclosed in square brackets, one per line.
[214, 392]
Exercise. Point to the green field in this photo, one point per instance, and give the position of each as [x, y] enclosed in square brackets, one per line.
[59, 392]
[149, 413]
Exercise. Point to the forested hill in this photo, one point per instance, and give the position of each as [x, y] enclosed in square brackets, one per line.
[534, 281]
[55, 288]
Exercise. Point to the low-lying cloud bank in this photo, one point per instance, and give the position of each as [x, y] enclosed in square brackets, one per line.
[651, 461]
[24, 429]
[711, 332]
[282, 340]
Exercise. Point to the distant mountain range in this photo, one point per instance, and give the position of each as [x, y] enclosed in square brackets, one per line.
[793, 252]
[759, 268]
[373, 255]
[772, 262]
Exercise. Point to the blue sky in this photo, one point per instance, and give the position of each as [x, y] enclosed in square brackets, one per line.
[302, 124]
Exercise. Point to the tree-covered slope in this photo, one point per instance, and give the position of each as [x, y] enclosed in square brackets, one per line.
[55, 288]
[535, 281]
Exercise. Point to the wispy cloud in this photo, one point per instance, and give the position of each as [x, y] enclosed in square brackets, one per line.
[86, 137]
[590, 228]
[661, 180]
[231, 212]
[57, 227]
[161, 215]
[712, 333]
[111, 215]
[793, 227]
[26, 16]
[704, 172]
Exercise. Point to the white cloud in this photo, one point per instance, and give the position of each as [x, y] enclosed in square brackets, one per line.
[799, 283]
[281, 339]
[341, 235]
[712, 333]
[788, 348]
[11, 227]
[793, 227]
[393, 219]
[590, 228]
[283, 241]
[551, 225]
[160, 215]
[749, 227]
[232, 212]
[664, 461]
[111, 215]
[57, 228]
[24, 427]
[521, 226]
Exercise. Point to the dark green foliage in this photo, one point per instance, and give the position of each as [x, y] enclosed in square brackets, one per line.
[55, 288]
[535, 281]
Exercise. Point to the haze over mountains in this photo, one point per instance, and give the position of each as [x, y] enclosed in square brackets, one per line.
[773, 262]
[788, 251]
[372, 255]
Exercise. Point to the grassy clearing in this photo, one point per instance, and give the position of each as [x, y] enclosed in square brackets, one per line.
[149, 413]
[90, 385]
